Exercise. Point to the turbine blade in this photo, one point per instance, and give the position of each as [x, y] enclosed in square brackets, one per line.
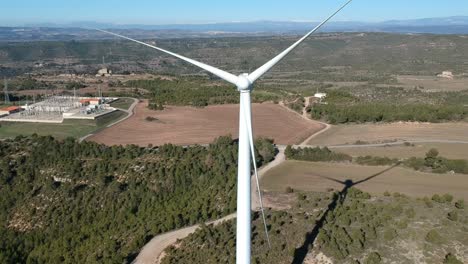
[220, 73]
[248, 120]
[267, 66]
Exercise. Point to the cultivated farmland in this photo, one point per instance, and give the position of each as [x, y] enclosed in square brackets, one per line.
[382, 133]
[448, 150]
[318, 176]
[188, 125]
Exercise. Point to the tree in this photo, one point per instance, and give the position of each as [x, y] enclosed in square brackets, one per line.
[289, 189]
[265, 149]
[437, 198]
[453, 216]
[101, 191]
[431, 157]
[288, 152]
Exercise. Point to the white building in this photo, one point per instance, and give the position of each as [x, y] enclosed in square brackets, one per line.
[104, 72]
[446, 74]
[320, 95]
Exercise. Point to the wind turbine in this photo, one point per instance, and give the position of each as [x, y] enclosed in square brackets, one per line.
[244, 83]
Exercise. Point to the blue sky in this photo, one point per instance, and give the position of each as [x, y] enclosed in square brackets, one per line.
[17, 12]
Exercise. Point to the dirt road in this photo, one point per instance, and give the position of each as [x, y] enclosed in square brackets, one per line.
[130, 112]
[305, 116]
[152, 252]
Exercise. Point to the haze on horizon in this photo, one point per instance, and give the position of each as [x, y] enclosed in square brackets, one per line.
[27, 12]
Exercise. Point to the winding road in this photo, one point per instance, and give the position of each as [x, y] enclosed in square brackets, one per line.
[153, 251]
[130, 112]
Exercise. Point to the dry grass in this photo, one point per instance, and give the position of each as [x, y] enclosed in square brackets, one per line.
[448, 150]
[374, 133]
[311, 176]
[433, 83]
[188, 125]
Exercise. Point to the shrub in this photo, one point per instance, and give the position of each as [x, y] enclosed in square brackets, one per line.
[415, 163]
[452, 216]
[437, 198]
[460, 204]
[432, 153]
[410, 213]
[402, 224]
[390, 234]
[375, 161]
[386, 193]
[358, 194]
[451, 259]
[433, 161]
[373, 258]
[428, 202]
[434, 237]
[448, 198]
[289, 190]
[301, 196]
[150, 119]
[156, 106]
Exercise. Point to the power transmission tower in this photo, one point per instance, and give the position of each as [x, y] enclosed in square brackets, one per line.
[99, 92]
[5, 90]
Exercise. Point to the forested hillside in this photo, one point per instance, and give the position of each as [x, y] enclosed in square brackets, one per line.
[348, 227]
[342, 107]
[198, 92]
[69, 202]
[362, 57]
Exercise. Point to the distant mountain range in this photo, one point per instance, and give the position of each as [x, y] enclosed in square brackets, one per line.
[446, 25]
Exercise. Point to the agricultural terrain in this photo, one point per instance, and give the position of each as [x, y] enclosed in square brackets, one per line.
[188, 125]
[389, 188]
[387, 133]
[320, 176]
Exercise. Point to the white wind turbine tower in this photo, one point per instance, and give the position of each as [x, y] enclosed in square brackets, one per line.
[244, 83]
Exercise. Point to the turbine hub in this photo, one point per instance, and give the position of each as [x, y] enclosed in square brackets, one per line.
[243, 83]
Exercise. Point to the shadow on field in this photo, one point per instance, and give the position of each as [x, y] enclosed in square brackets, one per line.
[300, 253]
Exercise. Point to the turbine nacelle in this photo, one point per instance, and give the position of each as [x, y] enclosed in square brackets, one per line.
[243, 83]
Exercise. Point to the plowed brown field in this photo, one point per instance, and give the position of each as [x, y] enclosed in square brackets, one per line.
[188, 125]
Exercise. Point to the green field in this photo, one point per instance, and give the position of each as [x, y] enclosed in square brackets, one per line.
[69, 128]
[122, 103]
